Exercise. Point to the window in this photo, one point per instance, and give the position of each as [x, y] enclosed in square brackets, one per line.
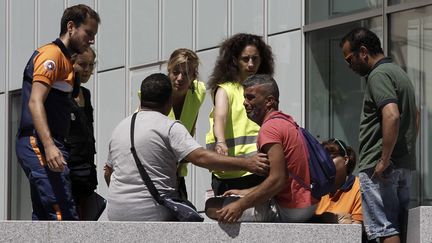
[393, 2]
[318, 10]
[334, 94]
[410, 45]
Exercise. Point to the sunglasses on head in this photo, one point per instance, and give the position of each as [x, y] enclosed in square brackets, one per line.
[340, 144]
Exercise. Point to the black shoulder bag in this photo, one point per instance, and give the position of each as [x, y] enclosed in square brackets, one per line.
[182, 209]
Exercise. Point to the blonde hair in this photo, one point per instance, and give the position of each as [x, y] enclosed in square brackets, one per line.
[90, 50]
[183, 55]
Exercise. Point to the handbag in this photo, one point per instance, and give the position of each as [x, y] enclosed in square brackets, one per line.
[182, 209]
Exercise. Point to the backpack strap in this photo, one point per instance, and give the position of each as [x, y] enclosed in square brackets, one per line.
[294, 176]
[145, 177]
[286, 119]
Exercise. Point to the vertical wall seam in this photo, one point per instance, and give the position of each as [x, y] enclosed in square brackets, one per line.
[265, 20]
[96, 99]
[421, 178]
[229, 16]
[303, 64]
[194, 25]
[5, 210]
[36, 24]
[160, 29]
[95, 95]
[192, 172]
[385, 27]
[126, 59]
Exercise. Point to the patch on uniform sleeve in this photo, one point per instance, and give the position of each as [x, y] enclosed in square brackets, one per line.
[49, 65]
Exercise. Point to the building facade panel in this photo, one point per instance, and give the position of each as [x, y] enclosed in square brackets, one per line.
[50, 11]
[287, 50]
[109, 111]
[247, 16]
[177, 26]
[18, 194]
[200, 179]
[3, 58]
[21, 39]
[111, 40]
[136, 77]
[211, 22]
[283, 16]
[90, 3]
[143, 37]
[3, 158]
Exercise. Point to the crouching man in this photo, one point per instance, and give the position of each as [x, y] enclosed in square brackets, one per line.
[283, 143]
[161, 144]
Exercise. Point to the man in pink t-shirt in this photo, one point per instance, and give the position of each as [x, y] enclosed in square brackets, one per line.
[287, 153]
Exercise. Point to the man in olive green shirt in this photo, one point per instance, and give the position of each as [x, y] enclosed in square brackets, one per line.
[388, 130]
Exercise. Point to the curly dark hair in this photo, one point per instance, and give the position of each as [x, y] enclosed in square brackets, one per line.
[362, 37]
[227, 69]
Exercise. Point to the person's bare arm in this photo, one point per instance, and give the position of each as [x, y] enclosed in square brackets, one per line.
[257, 164]
[107, 174]
[220, 116]
[238, 192]
[53, 155]
[273, 184]
[390, 131]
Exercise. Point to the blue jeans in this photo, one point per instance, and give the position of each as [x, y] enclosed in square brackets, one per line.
[384, 201]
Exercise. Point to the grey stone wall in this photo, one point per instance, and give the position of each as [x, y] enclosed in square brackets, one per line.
[25, 231]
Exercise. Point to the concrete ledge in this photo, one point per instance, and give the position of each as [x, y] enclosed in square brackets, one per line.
[24, 231]
[420, 225]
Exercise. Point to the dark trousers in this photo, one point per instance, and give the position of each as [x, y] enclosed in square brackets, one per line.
[50, 191]
[222, 185]
[182, 187]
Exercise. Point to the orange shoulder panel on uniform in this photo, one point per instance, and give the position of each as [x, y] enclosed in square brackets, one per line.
[51, 66]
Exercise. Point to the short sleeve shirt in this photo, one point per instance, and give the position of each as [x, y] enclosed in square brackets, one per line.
[160, 144]
[281, 131]
[51, 65]
[387, 83]
[343, 201]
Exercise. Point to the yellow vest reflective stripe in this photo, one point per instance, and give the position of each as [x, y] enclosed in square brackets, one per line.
[232, 142]
[240, 132]
[189, 113]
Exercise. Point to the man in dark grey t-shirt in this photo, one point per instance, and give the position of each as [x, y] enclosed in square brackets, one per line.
[388, 130]
[161, 144]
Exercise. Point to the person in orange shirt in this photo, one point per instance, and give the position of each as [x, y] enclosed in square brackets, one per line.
[344, 205]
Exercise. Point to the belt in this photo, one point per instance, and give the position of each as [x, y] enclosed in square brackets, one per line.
[26, 132]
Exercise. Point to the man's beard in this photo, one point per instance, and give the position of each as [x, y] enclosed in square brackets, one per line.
[74, 47]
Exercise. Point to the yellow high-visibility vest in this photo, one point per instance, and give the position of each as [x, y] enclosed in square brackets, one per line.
[240, 132]
[189, 113]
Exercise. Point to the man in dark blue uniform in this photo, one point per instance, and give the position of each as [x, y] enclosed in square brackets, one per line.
[45, 118]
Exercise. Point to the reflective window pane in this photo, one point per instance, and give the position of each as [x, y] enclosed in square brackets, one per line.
[334, 93]
[410, 45]
[393, 2]
[317, 10]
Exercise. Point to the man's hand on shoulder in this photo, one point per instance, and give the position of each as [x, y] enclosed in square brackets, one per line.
[258, 164]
